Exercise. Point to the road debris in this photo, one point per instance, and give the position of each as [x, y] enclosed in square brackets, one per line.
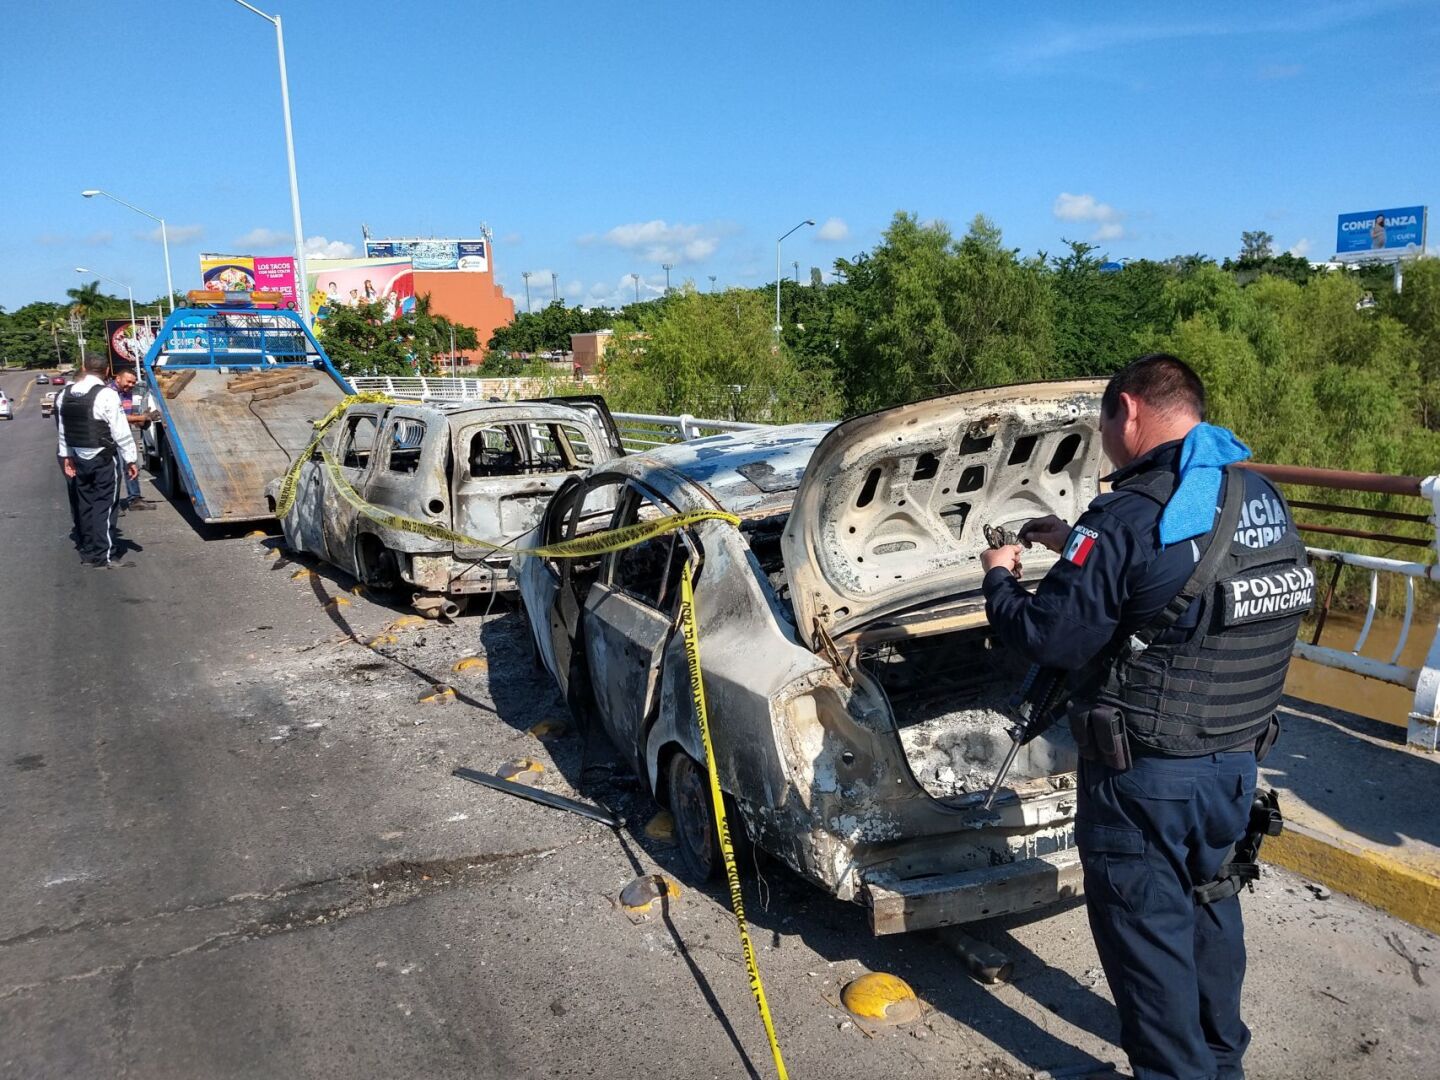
[544, 798]
[438, 695]
[640, 895]
[471, 663]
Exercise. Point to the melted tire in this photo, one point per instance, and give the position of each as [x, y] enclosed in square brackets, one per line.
[689, 791]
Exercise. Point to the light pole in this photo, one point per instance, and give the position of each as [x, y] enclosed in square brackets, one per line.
[90, 193]
[712, 282]
[668, 267]
[802, 224]
[302, 289]
[134, 328]
[526, 275]
[554, 287]
[636, 279]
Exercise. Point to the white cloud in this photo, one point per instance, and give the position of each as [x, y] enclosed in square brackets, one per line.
[1301, 248]
[1109, 222]
[178, 234]
[322, 248]
[659, 242]
[100, 238]
[622, 292]
[512, 239]
[833, 230]
[265, 238]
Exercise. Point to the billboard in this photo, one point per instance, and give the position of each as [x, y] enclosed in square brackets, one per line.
[1381, 235]
[126, 342]
[244, 273]
[430, 254]
[351, 282]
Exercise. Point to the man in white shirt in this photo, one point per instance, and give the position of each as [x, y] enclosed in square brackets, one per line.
[95, 444]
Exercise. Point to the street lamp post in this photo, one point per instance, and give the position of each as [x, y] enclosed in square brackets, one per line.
[302, 290]
[668, 267]
[129, 292]
[636, 279]
[526, 275]
[554, 287]
[90, 193]
[778, 272]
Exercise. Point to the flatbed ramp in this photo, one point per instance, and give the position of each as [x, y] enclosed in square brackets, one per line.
[239, 429]
[239, 383]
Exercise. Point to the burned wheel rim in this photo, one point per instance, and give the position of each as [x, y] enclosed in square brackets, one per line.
[694, 820]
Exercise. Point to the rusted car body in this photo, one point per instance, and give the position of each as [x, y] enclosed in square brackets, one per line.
[855, 692]
[485, 470]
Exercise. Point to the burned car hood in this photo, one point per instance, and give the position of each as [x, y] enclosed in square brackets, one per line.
[890, 513]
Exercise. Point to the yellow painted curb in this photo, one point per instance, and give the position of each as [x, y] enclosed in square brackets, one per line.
[302, 574]
[1377, 879]
[404, 622]
[440, 695]
[256, 534]
[469, 663]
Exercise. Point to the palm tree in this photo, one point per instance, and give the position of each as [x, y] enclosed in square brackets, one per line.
[86, 296]
[55, 327]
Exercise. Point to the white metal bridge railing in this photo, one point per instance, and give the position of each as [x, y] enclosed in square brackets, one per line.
[641, 431]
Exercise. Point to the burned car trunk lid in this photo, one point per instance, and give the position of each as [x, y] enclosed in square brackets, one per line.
[891, 510]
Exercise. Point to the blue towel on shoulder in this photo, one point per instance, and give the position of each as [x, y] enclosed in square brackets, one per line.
[1203, 457]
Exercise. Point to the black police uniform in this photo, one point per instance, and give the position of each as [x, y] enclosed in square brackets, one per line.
[1195, 703]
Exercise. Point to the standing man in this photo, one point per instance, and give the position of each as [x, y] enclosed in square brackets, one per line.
[1174, 607]
[124, 385]
[95, 446]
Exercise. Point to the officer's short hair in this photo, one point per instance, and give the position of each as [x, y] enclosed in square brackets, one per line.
[1161, 381]
[96, 364]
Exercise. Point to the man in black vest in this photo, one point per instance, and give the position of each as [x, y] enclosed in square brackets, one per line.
[1173, 608]
[95, 446]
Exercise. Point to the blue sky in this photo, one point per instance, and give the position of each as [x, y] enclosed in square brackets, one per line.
[601, 140]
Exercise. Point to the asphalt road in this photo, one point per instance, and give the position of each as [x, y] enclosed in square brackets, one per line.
[232, 848]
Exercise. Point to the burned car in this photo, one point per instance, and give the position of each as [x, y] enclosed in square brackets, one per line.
[485, 470]
[856, 693]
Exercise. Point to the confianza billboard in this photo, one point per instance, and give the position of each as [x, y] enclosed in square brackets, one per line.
[431, 254]
[1381, 235]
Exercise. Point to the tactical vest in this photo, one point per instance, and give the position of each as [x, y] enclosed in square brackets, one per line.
[77, 418]
[1218, 689]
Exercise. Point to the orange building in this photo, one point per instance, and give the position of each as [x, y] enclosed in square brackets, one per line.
[470, 298]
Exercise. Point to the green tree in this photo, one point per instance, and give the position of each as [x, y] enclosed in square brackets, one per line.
[711, 354]
[360, 340]
[925, 314]
[1417, 307]
[1256, 246]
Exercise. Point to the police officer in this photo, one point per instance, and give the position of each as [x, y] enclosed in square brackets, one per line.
[1174, 607]
[95, 446]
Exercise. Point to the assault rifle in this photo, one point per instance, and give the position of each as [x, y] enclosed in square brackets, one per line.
[1036, 704]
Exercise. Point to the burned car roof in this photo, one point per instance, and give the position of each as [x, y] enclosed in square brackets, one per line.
[744, 470]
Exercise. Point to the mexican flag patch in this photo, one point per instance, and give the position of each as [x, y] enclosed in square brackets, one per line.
[1080, 544]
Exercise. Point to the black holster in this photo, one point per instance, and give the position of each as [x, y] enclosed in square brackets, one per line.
[1100, 736]
[1242, 863]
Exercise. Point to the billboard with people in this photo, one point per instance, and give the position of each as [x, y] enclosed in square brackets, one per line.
[431, 254]
[1381, 235]
[351, 282]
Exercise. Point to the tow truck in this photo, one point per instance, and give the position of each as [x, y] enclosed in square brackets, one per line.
[238, 381]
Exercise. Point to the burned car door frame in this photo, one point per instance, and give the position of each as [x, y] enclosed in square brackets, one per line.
[573, 577]
[355, 463]
[629, 619]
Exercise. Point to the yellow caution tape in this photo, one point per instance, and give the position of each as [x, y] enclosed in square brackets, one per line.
[286, 500]
[579, 548]
[722, 826]
[582, 546]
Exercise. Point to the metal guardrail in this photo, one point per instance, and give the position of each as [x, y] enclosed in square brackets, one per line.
[642, 431]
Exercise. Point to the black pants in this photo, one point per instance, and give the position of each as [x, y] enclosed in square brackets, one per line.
[97, 490]
[1146, 837]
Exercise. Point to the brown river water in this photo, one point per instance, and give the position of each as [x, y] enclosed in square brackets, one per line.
[1365, 697]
